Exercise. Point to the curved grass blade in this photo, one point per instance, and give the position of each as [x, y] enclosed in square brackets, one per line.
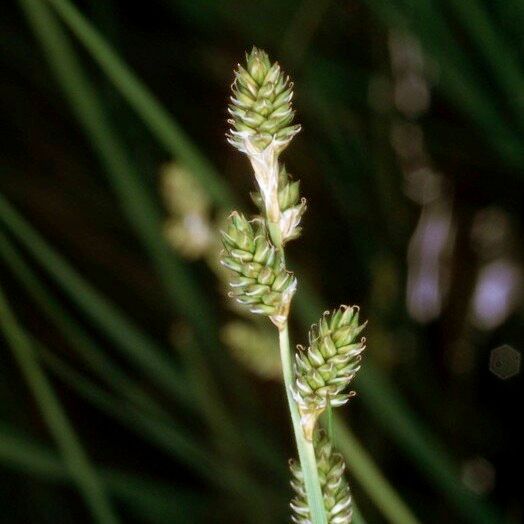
[460, 83]
[134, 199]
[140, 209]
[361, 466]
[167, 436]
[426, 451]
[504, 62]
[148, 499]
[146, 355]
[162, 125]
[173, 438]
[78, 464]
[88, 350]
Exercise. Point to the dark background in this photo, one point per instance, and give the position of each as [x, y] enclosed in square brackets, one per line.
[411, 159]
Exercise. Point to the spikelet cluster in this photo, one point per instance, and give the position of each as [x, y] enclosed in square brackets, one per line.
[262, 281]
[335, 489]
[261, 128]
[292, 206]
[261, 111]
[325, 369]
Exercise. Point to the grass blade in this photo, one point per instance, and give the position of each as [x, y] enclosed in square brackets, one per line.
[177, 441]
[502, 59]
[137, 205]
[161, 124]
[427, 452]
[169, 436]
[459, 82]
[361, 466]
[141, 210]
[98, 361]
[135, 345]
[149, 499]
[56, 420]
[142, 351]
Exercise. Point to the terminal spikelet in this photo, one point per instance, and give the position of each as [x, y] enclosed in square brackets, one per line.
[260, 106]
[335, 489]
[262, 282]
[325, 369]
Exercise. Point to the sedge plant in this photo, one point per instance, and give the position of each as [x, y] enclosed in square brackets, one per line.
[316, 378]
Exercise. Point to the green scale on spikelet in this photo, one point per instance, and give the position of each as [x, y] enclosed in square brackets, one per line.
[334, 487]
[261, 105]
[262, 281]
[327, 366]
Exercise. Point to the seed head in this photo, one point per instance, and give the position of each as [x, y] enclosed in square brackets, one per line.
[325, 369]
[260, 106]
[335, 489]
[262, 282]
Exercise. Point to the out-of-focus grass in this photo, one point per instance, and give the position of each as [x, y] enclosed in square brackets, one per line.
[73, 455]
[150, 500]
[144, 405]
[122, 78]
[70, 75]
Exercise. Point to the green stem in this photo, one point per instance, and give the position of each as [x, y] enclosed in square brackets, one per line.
[275, 234]
[305, 448]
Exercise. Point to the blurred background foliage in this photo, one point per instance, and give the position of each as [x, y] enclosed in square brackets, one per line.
[124, 391]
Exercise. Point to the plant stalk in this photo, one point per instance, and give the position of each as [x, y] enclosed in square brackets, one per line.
[306, 452]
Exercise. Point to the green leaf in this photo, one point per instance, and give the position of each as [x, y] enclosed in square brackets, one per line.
[169, 436]
[80, 341]
[458, 79]
[144, 353]
[161, 124]
[365, 471]
[150, 500]
[74, 456]
[140, 209]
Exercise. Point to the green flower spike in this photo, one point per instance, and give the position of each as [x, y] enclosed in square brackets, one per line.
[261, 105]
[335, 489]
[325, 369]
[261, 122]
[292, 207]
[262, 282]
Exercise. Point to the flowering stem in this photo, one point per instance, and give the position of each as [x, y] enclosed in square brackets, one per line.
[275, 234]
[305, 448]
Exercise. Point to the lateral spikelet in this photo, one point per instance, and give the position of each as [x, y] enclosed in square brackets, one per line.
[325, 369]
[261, 283]
[335, 489]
